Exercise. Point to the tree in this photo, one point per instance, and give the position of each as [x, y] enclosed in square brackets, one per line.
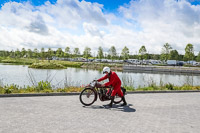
[35, 53]
[181, 57]
[174, 55]
[189, 52]
[198, 57]
[50, 53]
[59, 52]
[154, 56]
[100, 53]
[87, 52]
[142, 53]
[112, 53]
[67, 52]
[165, 52]
[17, 53]
[29, 53]
[42, 53]
[23, 52]
[76, 52]
[125, 53]
[12, 54]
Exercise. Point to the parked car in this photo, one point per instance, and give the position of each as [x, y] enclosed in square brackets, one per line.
[154, 62]
[133, 61]
[191, 62]
[171, 62]
[97, 60]
[180, 63]
[196, 64]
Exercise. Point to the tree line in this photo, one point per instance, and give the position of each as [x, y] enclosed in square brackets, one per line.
[167, 53]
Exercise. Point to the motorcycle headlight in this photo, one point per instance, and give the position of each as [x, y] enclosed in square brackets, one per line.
[92, 84]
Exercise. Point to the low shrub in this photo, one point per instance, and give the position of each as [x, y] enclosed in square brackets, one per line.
[44, 86]
[170, 86]
[47, 65]
[11, 88]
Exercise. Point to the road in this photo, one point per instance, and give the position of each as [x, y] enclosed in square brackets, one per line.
[145, 113]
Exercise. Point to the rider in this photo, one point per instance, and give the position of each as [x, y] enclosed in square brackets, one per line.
[115, 82]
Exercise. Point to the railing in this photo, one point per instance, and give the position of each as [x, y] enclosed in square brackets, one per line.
[161, 69]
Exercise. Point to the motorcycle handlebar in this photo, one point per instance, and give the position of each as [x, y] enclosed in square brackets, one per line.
[96, 81]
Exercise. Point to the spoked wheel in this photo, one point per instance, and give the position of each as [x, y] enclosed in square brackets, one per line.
[87, 97]
[117, 99]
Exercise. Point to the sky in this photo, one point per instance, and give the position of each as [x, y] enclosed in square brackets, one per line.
[94, 23]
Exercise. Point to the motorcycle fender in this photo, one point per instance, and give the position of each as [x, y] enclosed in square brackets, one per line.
[123, 90]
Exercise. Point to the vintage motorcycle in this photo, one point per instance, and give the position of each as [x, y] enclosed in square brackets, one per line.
[91, 92]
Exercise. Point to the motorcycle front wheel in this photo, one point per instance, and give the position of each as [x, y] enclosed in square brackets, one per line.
[87, 96]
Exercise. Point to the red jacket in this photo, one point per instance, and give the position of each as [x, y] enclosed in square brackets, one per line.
[113, 79]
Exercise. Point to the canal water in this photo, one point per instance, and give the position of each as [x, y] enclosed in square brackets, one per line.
[24, 76]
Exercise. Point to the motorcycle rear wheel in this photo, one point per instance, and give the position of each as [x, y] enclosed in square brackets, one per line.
[117, 99]
[87, 97]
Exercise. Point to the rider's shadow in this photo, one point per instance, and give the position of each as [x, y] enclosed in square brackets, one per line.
[115, 107]
[94, 107]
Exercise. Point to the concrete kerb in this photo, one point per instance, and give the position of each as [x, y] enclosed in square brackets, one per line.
[38, 94]
[77, 93]
[175, 91]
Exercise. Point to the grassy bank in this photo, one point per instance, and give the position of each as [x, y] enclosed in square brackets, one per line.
[44, 64]
[18, 61]
[1, 58]
[46, 87]
[56, 64]
[47, 65]
[41, 64]
[69, 63]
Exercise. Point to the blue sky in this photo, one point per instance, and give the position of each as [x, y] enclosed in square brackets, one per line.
[93, 23]
[109, 5]
[195, 2]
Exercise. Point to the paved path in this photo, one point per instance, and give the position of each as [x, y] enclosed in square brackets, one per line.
[146, 113]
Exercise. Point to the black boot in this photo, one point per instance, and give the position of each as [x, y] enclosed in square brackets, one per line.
[123, 99]
[111, 102]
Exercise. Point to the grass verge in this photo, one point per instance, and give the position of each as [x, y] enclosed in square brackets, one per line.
[45, 87]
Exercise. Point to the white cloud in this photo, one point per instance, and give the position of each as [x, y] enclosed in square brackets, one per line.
[166, 21]
[92, 30]
[79, 24]
[70, 13]
[48, 25]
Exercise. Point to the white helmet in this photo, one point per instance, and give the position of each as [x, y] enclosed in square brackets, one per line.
[106, 69]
